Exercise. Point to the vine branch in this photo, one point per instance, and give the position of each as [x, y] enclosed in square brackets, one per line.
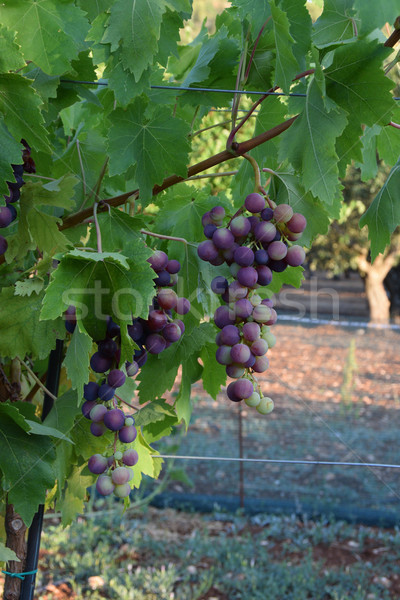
[37, 380]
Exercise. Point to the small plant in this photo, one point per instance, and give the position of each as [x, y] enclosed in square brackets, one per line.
[349, 373]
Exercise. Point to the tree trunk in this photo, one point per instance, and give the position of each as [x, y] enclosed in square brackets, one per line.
[15, 529]
[379, 303]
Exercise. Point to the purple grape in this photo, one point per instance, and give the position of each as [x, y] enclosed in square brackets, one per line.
[295, 256]
[116, 378]
[13, 212]
[230, 335]
[268, 302]
[267, 214]
[114, 419]
[120, 475]
[112, 328]
[6, 216]
[104, 485]
[167, 299]
[251, 331]
[240, 353]
[130, 457]
[219, 284]
[237, 291]
[155, 344]
[277, 265]
[97, 429]
[107, 348]
[261, 364]
[283, 213]
[249, 363]
[228, 253]
[174, 280]
[297, 223]
[207, 251]
[223, 355]
[273, 317]
[87, 407]
[158, 260]
[132, 368]
[181, 324]
[223, 238]
[135, 330]
[261, 313]
[97, 464]
[265, 232]
[254, 202]
[172, 332]
[164, 278]
[230, 390]
[217, 262]
[243, 388]
[261, 257]
[127, 434]
[243, 308]
[157, 320]
[106, 392]
[277, 250]
[173, 266]
[244, 256]
[141, 358]
[70, 327]
[264, 275]
[235, 371]
[182, 306]
[293, 237]
[259, 347]
[206, 219]
[217, 214]
[222, 317]
[209, 230]
[240, 226]
[247, 276]
[3, 245]
[98, 413]
[100, 364]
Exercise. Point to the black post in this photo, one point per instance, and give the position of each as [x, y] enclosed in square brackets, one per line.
[35, 530]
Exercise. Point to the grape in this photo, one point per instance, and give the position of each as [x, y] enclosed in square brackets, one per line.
[131, 368]
[98, 412]
[120, 475]
[106, 392]
[107, 348]
[97, 464]
[207, 251]
[155, 343]
[217, 262]
[97, 429]
[251, 331]
[243, 308]
[135, 330]
[217, 214]
[230, 335]
[206, 219]
[283, 213]
[293, 237]
[243, 388]
[234, 269]
[129, 421]
[247, 276]
[297, 223]
[264, 275]
[164, 278]
[100, 364]
[209, 230]
[234, 371]
[261, 257]
[240, 226]
[253, 400]
[261, 364]
[90, 390]
[158, 260]
[228, 253]
[277, 250]
[172, 332]
[254, 202]
[273, 318]
[173, 266]
[270, 339]
[122, 491]
[223, 238]
[277, 265]
[141, 358]
[259, 347]
[237, 291]
[157, 320]
[112, 328]
[114, 419]
[265, 406]
[13, 212]
[104, 485]
[87, 407]
[116, 378]
[255, 300]
[3, 245]
[268, 302]
[265, 231]
[130, 457]
[127, 434]
[240, 353]
[219, 284]
[167, 299]
[181, 324]
[230, 390]
[267, 214]
[223, 355]
[261, 313]
[295, 256]
[244, 256]
[182, 306]
[250, 362]
[5, 216]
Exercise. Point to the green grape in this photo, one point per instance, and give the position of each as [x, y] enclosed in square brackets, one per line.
[254, 400]
[266, 405]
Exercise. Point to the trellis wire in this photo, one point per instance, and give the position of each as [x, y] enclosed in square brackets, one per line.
[315, 321]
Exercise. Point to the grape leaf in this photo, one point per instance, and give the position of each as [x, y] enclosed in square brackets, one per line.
[286, 64]
[255, 12]
[95, 8]
[214, 374]
[291, 276]
[10, 153]
[336, 25]
[374, 15]
[76, 360]
[6, 554]
[29, 286]
[154, 411]
[191, 372]
[50, 33]
[26, 462]
[11, 411]
[300, 28]
[388, 141]
[37, 428]
[369, 164]
[22, 332]
[122, 82]
[310, 145]
[136, 27]
[147, 138]
[11, 58]
[147, 464]
[383, 216]
[74, 495]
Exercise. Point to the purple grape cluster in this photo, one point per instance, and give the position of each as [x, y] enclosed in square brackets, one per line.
[253, 246]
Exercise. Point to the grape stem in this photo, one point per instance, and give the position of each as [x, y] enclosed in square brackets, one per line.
[167, 237]
[127, 403]
[98, 232]
[81, 165]
[256, 170]
[36, 378]
[393, 124]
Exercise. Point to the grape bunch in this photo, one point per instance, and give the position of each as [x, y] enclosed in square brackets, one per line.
[102, 404]
[255, 242]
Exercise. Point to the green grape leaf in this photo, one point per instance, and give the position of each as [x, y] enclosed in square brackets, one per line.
[10, 153]
[120, 233]
[11, 58]
[255, 12]
[77, 359]
[169, 36]
[383, 216]
[147, 464]
[21, 331]
[74, 495]
[214, 374]
[7, 554]
[50, 33]
[336, 25]
[154, 411]
[64, 412]
[291, 276]
[29, 286]
[87, 444]
[300, 28]
[309, 145]
[191, 372]
[26, 462]
[122, 82]
[374, 15]
[369, 164]
[147, 138]
[135, 26]
[388, 141]
[286, 64]
[13, 412]
[40, 429]
[94, 9]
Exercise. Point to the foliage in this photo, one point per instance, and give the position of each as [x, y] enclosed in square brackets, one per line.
[116, 148]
